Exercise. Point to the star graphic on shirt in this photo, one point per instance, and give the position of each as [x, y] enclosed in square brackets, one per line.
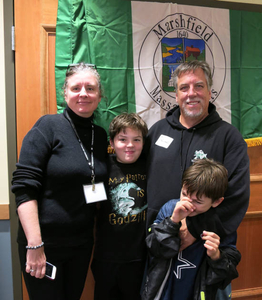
[186, 265]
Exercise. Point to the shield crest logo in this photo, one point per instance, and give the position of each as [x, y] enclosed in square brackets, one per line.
[174, 52]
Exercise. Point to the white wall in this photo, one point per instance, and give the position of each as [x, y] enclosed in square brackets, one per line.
[6, 278]
[4, 185]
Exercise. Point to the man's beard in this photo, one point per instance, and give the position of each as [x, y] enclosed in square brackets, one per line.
[192, 113]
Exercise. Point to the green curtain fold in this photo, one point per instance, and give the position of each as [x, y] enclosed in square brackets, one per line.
[98, 32]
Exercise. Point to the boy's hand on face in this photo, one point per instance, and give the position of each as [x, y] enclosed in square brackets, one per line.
[182, 210]
[212, 242]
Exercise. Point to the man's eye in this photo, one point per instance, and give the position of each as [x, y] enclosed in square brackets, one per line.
[183, 88]
[200, 86]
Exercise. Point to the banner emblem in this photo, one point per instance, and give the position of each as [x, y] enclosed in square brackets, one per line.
[175, 39]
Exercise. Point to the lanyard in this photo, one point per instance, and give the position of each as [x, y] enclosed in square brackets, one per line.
[90, 163]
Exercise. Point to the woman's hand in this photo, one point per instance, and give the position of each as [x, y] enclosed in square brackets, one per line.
[35, 262]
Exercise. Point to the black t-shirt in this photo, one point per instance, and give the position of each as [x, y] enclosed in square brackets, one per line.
[120, 235]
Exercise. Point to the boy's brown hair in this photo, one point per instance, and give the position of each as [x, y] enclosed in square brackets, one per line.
[127, 120]
[206, 177]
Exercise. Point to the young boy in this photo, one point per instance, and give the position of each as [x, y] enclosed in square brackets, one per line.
[200, 269]
[120, 250]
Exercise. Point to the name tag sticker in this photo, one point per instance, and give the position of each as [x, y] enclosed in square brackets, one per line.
[96, 194]
[164, 141]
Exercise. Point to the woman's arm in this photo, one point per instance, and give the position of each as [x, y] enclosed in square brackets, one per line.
[35, 258]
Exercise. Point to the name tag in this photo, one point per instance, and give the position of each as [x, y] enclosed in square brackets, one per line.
[95, 193]
[164, 141]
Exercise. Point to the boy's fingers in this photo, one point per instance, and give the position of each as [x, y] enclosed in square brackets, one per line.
[210, 234]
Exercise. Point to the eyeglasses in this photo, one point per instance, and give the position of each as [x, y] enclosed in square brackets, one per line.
[78, 64]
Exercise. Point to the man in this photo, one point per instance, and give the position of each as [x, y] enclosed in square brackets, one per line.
[194, 130]
[190, 131]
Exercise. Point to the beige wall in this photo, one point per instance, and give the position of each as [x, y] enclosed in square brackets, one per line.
[4, 185]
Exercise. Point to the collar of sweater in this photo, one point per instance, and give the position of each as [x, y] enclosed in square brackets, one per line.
[77, 120]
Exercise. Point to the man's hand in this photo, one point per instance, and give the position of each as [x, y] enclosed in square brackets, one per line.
[186, 238]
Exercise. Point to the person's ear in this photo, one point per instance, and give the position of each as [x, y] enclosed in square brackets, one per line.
[111, 143]
[217, 202]
[65, 96]
[176, 97]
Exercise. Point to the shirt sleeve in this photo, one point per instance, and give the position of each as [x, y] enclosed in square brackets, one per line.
[28, 176]
[163, 240]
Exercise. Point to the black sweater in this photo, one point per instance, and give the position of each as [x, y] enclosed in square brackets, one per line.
[52, 169]
[213, 138]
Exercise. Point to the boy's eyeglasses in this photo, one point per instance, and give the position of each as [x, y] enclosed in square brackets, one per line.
[75, 65]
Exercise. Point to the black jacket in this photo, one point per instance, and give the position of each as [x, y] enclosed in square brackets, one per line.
[163, 244]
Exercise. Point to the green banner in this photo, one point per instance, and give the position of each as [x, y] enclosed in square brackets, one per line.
[124, 39]
[246, 72]
[98, 32]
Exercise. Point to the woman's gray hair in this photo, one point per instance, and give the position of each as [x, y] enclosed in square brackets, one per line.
[192, 66]
[79, 68]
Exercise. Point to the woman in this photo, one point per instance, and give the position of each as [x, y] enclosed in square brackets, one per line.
[59, 156]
